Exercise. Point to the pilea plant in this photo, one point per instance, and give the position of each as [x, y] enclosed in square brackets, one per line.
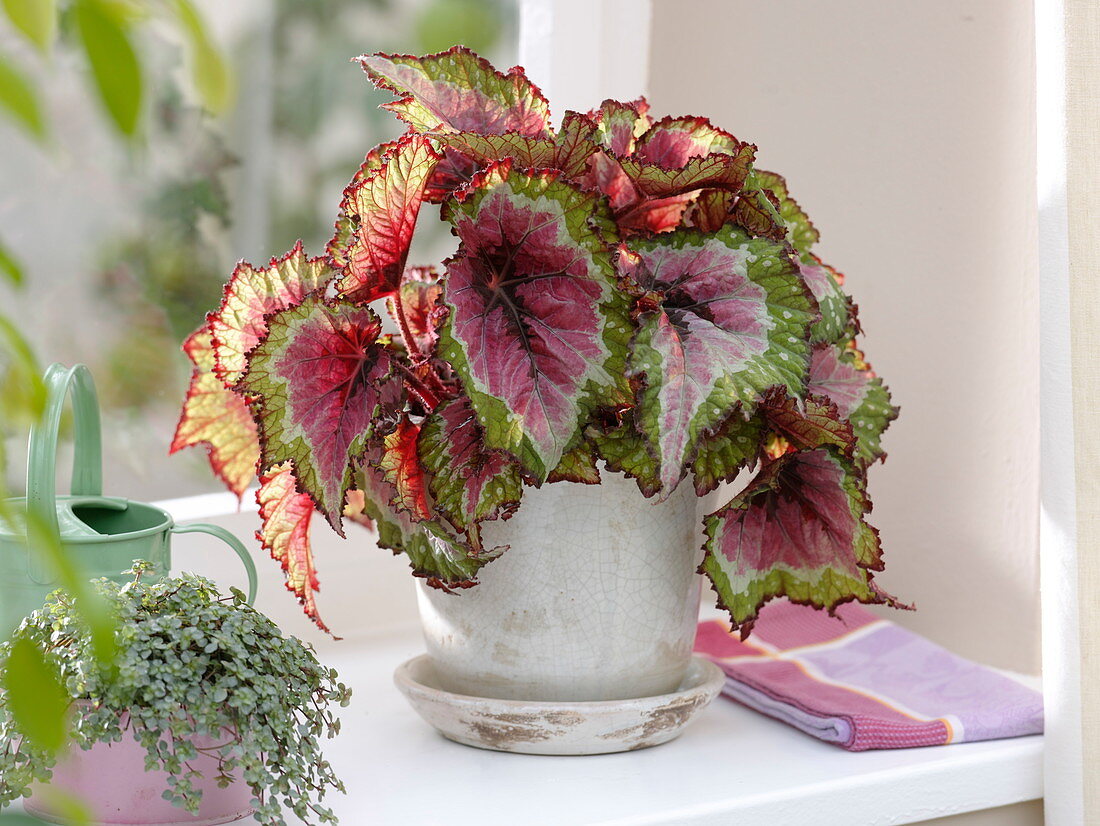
[626, 290]
[192, 666]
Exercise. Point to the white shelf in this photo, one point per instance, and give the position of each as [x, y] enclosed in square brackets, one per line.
[731, 766]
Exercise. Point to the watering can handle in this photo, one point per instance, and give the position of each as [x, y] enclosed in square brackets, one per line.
[230, 540]
[87, 477]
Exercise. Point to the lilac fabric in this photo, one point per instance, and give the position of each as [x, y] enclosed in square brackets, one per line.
[865, 683]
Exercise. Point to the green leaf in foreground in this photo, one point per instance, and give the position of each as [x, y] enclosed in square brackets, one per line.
[20, 100]
[10, 268]
[36, 19]
[114, 63]
[35, 696]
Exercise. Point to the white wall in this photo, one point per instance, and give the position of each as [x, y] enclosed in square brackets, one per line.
[907, 131]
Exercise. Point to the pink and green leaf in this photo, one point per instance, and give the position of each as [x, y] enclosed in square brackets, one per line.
[839, 374]
[285, 534]
[671, 142]
[254, 293]
[836, 308]
[798, 530]
[445, 559]
[217, 418]
[459, 91]
[720, 171]
[384, 207]
[731, 323]
[537, 329]
[801, 231]
[620, 124]
[317, 383]
[416, 309]
[806, 424]
[401, 467]
[346, 225]
[723, 453]
[568, 151]
[469, 482]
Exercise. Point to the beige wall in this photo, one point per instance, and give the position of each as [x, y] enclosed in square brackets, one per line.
[907, 131]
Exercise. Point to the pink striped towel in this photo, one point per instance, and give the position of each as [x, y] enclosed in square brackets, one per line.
[865, 683]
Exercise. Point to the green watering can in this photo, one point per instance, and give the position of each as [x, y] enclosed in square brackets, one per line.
[101, 534]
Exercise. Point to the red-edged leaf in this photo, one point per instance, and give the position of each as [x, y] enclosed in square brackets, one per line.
[252, 294]
[286, 515]
[468, 481]
[416, 309]
[800, 229]
[840, 375]
[671, 142]
[757, 210]
[445, 559]
[537, 327]
[577, 465]
[317, 383]
[797, 530]
[727, 319]
[806, 425]
[837, 311]
[400, 466]
[217, 418]
[711, 209]
[346, 225]
[384, 207]
[568, 151]
[719, 171]
[620, 124]
[458, 91]
[733, 445]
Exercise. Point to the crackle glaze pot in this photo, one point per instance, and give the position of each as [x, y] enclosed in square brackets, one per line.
[597, 598]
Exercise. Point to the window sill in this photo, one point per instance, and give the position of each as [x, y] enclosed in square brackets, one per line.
[730, 766]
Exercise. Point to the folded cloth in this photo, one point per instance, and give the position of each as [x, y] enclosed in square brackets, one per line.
[863, 682]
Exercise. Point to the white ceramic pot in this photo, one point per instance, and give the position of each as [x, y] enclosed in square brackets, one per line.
[597, 599]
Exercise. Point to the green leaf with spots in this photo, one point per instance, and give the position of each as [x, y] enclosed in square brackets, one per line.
[837, 311]
[728, 319]
[468, 481]
[841, 375]
[735, 444]
[798, 530]
[317, 382]
[801, 231]
[537, 329]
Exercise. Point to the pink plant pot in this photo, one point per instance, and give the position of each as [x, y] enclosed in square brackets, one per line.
[111, 780]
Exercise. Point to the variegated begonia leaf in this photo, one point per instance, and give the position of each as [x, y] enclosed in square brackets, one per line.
[620, 124]
[728, 320]
[797, 530]
[568, 151]
[734, 445]
[286, 515]
[384, 206]
[577, 465]
[347, 224]
[537, 328]
[653, 180]
[217, 418]
[254, 293]
[443, 558]
[757, 210]
[469, 482]
[806, 424]
[400, 466]
[316, 383]
[839, 374]
[671, 142]
[624, 450]
[801, 231]
[837, 312]
[459, 91]
[416, 309]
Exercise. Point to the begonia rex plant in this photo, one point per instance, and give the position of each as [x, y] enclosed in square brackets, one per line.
[627, 290]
